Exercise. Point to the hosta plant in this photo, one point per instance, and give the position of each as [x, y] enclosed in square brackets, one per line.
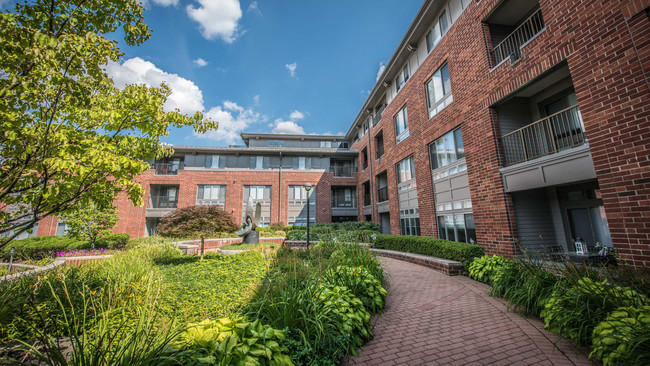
[574, 310]
[362, 284]
[483, 269]
[354, 317]
[232, 342]
[623, 337]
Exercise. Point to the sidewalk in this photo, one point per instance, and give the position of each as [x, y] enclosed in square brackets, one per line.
[434, 319]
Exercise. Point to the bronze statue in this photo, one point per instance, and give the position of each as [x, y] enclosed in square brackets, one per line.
[247, 230]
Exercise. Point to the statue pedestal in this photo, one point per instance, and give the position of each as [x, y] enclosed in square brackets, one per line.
[253, 237]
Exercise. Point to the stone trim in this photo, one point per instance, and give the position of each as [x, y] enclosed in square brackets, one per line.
[446, 266]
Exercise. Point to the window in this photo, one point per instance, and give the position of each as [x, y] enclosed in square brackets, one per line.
[433, 37]
[405, 170]
[447, 149]
[444, 22]
[439, 91]
[275, 143]
[257, 193]
[343, 145]
[301, 163]
[402, 78]
[457, 228]
[364, 158]
[61, 228]
[211, 195]
[326, 144]
[300, 193]
[410, 226]
[401, 125]
[259, 162]
[379, 141]
[215, 162]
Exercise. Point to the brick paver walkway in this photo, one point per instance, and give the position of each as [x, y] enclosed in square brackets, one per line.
[434, 319]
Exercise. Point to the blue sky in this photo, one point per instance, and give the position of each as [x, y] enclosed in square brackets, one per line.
[266, 65]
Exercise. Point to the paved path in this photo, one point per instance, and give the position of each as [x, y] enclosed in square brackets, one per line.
[434, 319]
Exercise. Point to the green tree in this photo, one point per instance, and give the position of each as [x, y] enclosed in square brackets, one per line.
[68, 136]
[90, 221]
[196, 222]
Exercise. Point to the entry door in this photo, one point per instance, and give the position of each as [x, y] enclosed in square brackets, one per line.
[590, 225]
[385, 223]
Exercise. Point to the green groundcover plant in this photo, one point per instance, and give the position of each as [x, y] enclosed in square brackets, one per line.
[484, 269]
[623, 337]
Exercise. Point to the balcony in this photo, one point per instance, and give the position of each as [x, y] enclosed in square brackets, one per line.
[167, 168]
[342, 171]
[163, 202]
[376, 118]
[560, 131]
[382, 194]
[342, 202]
[366, 199]
[512, 44]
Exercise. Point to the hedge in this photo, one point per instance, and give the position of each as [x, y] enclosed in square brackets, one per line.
[325, 234]
[39, 247]
[337, 226]
[461, 252]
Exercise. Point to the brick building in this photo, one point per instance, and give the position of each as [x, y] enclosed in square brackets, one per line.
[503, 122]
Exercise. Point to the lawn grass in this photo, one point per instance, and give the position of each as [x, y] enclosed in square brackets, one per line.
[248, 246]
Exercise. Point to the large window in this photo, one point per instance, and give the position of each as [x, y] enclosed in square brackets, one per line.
[215, 162]
[211, 195]
[457, 228]
[261, 194]
[402, 78]
[259, 162]
[401, 125]
[301, 163]
[439, 91]
[405, 170]
[298, 193]
[447, 149]
[410, 226]
[297, 214]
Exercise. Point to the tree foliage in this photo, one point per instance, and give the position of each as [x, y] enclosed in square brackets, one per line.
[68, 136]
[91, 221]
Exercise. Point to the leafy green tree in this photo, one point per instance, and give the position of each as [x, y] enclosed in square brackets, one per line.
[68, 136]
[197, 222]
[90, 221]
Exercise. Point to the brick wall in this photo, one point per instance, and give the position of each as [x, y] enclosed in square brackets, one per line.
[607, 47]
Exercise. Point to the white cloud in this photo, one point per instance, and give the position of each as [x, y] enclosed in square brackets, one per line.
[289, 127]
[256, 100]
[252, 7]
[200, 62]
[217, 18]
[147, 3]
[382, 67]
[233, 119]
[292, 69]
[185, 96]
[296, 115]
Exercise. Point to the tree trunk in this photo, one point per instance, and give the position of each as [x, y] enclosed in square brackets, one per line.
[202, 246]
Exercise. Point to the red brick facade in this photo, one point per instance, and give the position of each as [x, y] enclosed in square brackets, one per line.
[606, 45]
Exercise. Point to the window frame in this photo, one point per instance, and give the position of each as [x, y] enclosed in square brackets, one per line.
[404, 74]
[256, 158]
[458, 151]
[443, 230]
[436, 106]
[401, 136]
[411, 169]
[219, 201]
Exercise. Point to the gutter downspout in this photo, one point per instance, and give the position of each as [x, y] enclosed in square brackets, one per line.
[372, 201]
[280, 189]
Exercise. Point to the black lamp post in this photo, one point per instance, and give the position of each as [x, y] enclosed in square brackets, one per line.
[308, 188]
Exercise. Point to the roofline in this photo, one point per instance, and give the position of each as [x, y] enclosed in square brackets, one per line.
[266, 150]
[406, 40]
[246, 136]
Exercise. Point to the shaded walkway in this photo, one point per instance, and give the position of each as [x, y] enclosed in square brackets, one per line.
[434, 319]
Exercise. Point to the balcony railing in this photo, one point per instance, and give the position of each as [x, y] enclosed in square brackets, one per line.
[382, 194]
[163, 202]
[342, 202]
[559, 131]
[376, 118]
[365, 164]
[167, 168]
[366, 199]
[512, 44]
[342, 171]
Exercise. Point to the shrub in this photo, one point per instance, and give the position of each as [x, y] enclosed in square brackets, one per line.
[39, 247]
[233, 342]
[361, 283]
[349, 310]
[574, 310]
[623, 337]
[113, 241]
[462, 252]
[526, 284]
[484, 268]
[277, 226]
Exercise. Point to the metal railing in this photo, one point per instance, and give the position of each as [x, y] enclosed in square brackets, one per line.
[382, 194]
[366, 199]
[512, 44]
[342, 171]
[559, 131]
[167, 168]
[341, 202]
[376, 118]
[163, 202]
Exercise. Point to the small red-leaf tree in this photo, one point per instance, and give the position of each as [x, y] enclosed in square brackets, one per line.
[196, 222]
